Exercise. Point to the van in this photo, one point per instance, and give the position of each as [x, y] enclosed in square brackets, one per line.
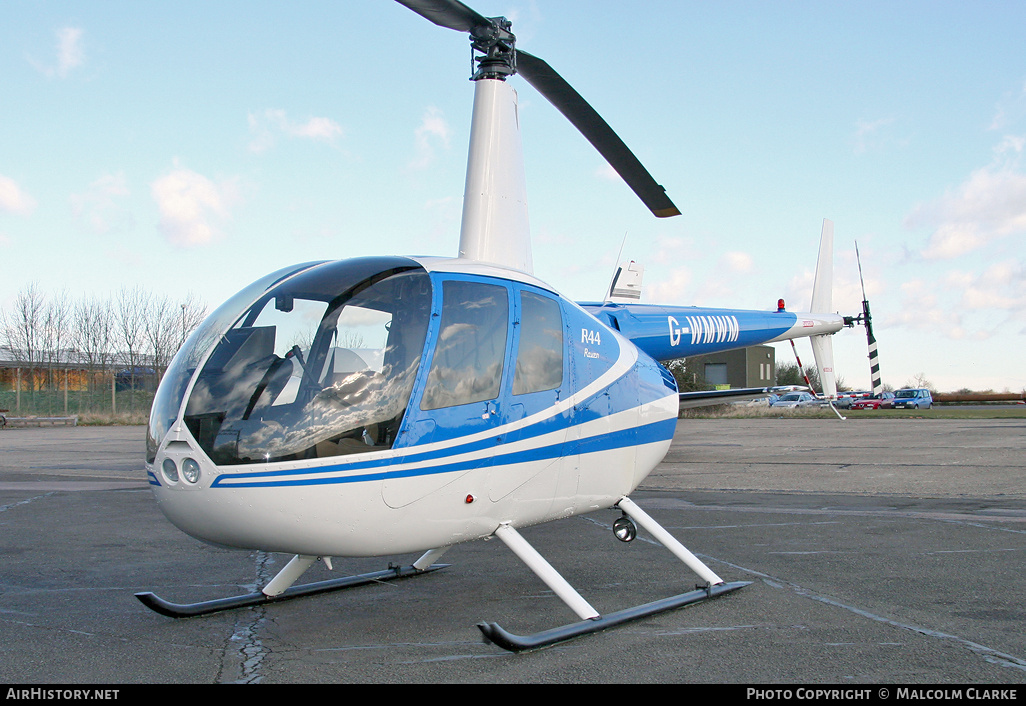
[911, 398]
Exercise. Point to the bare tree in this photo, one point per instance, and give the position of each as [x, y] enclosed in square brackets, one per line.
[22, 331]
[56, 333]
[167, 324]
[130, 329]
[193, 313]
[93, 335]
[161, 331]
[919, 381]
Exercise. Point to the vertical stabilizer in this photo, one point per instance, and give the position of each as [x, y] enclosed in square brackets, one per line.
[822, 288]
[823, 350]
[822, 303]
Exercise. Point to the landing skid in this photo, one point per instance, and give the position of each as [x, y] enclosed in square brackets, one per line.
[191, 610]
[500, 637]
[591, 620]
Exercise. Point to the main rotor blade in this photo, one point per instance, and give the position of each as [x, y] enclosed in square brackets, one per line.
[570, 103]
[448, 13]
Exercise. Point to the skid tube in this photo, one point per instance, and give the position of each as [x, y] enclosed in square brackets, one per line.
[591, 620]
[500, 637]
[191, 610]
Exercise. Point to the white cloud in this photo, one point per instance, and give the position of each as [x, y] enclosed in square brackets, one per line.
[70, 54]
[267, 126]
[871, 134]
[738, 262]
[921, 310]
[190, 204]
[965, 305]
[669, 291]
[990, 204]
[1010, 109]
[673, 248]
[606, 171]
[1001, 287]
[98, 206]
[13, 199]
[69, 50]
[433, 130]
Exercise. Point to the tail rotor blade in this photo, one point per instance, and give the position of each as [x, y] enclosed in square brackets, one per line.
[867, 319]
[570, 103]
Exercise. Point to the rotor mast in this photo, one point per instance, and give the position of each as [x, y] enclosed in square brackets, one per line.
[495, 226]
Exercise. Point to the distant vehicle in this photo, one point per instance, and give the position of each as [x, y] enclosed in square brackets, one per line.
[873, 401]
[912, 398]
[795, 399]
[846, 399]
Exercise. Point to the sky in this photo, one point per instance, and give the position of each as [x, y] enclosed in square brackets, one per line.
[193, 147]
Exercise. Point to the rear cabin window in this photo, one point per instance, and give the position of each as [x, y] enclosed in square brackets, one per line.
[539, 364]
[468, 361]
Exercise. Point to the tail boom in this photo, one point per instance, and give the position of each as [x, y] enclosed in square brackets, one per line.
[668, 332]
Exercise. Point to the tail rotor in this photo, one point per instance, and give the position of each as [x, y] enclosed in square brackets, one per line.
[866, 319]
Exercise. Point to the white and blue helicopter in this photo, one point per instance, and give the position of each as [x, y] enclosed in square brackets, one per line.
[389, 405]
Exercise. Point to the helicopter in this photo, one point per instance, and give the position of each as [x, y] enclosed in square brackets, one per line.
[380, 406]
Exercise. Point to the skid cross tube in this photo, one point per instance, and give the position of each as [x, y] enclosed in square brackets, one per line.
[668, 541]
[536, 562]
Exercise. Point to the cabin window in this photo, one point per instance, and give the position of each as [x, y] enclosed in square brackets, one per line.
[540, 352]
[471, 348]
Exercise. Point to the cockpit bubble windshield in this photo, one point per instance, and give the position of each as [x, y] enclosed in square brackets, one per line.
[321, 365]
[168, 400]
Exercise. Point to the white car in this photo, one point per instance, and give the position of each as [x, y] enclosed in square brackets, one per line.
[795, 399]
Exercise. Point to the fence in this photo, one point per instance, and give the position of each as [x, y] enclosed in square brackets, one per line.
[121, 394]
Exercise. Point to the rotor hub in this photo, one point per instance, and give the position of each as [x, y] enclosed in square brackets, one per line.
[496, 45]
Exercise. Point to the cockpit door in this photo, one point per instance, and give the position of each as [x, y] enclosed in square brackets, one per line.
[458, 404]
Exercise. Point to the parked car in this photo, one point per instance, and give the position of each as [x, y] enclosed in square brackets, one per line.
[912, 398]
[873, 401]
[846, 399]
[795, 399]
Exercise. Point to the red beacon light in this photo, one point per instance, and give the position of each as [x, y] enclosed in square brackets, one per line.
[780, 304]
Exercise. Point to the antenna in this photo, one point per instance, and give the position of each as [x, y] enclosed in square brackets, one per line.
[617, 268]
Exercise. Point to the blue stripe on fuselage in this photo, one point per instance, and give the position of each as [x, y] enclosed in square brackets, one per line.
[632, 436]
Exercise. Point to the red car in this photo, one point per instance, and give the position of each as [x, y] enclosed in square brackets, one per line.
[874, 402]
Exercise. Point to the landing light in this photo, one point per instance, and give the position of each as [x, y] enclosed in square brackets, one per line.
[170, 470]
[190, 470]
[624, 529]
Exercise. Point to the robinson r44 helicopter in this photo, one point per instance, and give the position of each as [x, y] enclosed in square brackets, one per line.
[390, 405]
